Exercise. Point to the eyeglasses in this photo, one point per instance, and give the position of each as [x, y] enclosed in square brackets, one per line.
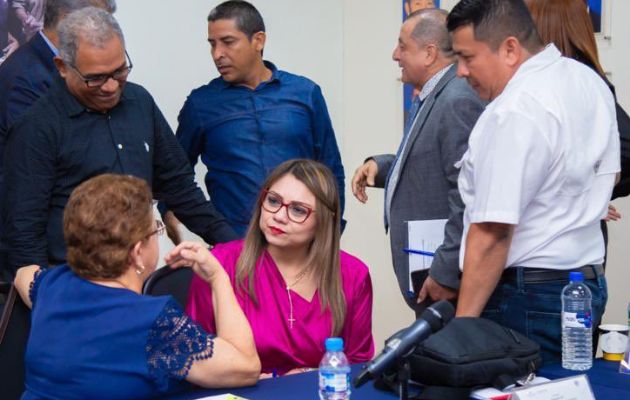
[93, 81]
[160, 228]
[296, 211]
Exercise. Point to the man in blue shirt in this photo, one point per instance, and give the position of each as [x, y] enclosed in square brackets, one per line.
[92, 122]
[253, 117]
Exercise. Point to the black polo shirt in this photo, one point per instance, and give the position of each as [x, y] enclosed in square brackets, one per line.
[59, 143]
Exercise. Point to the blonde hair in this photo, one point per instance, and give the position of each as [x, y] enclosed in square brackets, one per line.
[323, 255]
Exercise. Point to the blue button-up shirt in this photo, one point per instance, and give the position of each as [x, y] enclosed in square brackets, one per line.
[58, 144]
[243, 134]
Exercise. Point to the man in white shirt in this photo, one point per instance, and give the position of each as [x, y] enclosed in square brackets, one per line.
[538, 174]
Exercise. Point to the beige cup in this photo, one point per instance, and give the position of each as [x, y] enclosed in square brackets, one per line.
[613, 341]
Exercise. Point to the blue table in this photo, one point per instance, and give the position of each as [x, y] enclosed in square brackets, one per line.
[607, 383]
[291, 387]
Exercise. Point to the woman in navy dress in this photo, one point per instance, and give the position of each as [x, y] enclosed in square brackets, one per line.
[94, 336]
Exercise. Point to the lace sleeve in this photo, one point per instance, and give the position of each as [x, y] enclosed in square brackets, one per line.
[174, 342]
[32, 289]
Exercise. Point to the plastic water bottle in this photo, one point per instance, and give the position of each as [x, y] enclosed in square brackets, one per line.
[577, 336]
[334, 372]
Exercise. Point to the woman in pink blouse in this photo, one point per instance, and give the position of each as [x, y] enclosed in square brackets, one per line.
[294, 284]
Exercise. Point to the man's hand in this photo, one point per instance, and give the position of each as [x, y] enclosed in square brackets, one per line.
[364, 176]
[172, 227]
[435, 291]
[613, 214]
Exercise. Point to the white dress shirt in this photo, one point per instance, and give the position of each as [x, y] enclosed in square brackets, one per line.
[543, 157]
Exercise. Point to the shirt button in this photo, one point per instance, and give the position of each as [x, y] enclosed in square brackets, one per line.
[120, 146]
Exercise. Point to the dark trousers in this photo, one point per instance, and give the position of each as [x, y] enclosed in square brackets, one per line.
[534, 309]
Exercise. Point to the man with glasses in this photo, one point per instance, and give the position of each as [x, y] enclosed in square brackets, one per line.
[92, 121]
[26, 75]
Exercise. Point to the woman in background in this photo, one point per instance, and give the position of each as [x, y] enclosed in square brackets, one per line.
[94, 336]
[293, 283]
[567, 24]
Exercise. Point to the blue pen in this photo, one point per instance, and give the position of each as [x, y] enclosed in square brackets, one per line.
[421, 252]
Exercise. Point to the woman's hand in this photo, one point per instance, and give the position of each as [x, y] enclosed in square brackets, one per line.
[198, 257]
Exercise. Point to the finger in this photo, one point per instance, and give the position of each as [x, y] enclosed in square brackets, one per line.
[355, 181]
[361, 195]
[358, 180]
[179, 254]
[370, 177]
[423, 293]
[180, 264]
[183, 246]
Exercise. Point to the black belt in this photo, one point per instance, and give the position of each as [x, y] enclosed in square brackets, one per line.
[532, 275]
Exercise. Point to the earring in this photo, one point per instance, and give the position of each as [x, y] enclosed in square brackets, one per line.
[139, 269]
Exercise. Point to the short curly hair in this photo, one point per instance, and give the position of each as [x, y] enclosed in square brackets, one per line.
[104, 218]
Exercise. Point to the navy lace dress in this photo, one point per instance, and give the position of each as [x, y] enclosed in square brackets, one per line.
[89, 341]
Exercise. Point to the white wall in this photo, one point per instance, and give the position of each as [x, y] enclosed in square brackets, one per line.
[373, 124]
[346, 47]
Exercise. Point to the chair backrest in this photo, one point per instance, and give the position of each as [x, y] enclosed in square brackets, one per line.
[166, 280]
[15, 326]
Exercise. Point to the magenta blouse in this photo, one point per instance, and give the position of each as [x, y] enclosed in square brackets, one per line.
[280, 347]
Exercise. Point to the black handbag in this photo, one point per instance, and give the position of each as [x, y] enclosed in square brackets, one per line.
[468, 353]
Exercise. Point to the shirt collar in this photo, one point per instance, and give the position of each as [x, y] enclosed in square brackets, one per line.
[275, 77]
[51, 46]
[538, 61]
[432, 83]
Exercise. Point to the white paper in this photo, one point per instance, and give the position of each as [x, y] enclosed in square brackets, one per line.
[494, 394]
[574, 388]
[425, 235]
[227, 396]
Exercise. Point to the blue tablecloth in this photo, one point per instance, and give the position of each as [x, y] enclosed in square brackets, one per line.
[607, 383]
[291, 387]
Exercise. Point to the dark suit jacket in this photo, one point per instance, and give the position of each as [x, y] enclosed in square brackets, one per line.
[24, 77]
[427, 185]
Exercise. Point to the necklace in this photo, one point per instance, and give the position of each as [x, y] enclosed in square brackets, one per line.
[298, 278]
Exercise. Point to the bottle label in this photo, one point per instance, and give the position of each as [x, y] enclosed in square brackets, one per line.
[331, 382]
[576, 320]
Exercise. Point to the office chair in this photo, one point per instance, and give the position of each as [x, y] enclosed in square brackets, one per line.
[15, 326]
[166, 280]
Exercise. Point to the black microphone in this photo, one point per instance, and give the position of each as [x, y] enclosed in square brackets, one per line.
[432, 320]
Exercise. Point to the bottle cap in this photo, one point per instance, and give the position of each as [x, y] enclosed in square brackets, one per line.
[334, 344]
[576, 277]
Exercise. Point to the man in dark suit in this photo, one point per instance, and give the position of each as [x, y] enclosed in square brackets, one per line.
[27, 74]
[421, 180]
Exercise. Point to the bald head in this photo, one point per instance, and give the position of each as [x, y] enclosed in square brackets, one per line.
[430, 28]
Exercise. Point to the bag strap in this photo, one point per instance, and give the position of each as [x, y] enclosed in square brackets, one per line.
[502, 381]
